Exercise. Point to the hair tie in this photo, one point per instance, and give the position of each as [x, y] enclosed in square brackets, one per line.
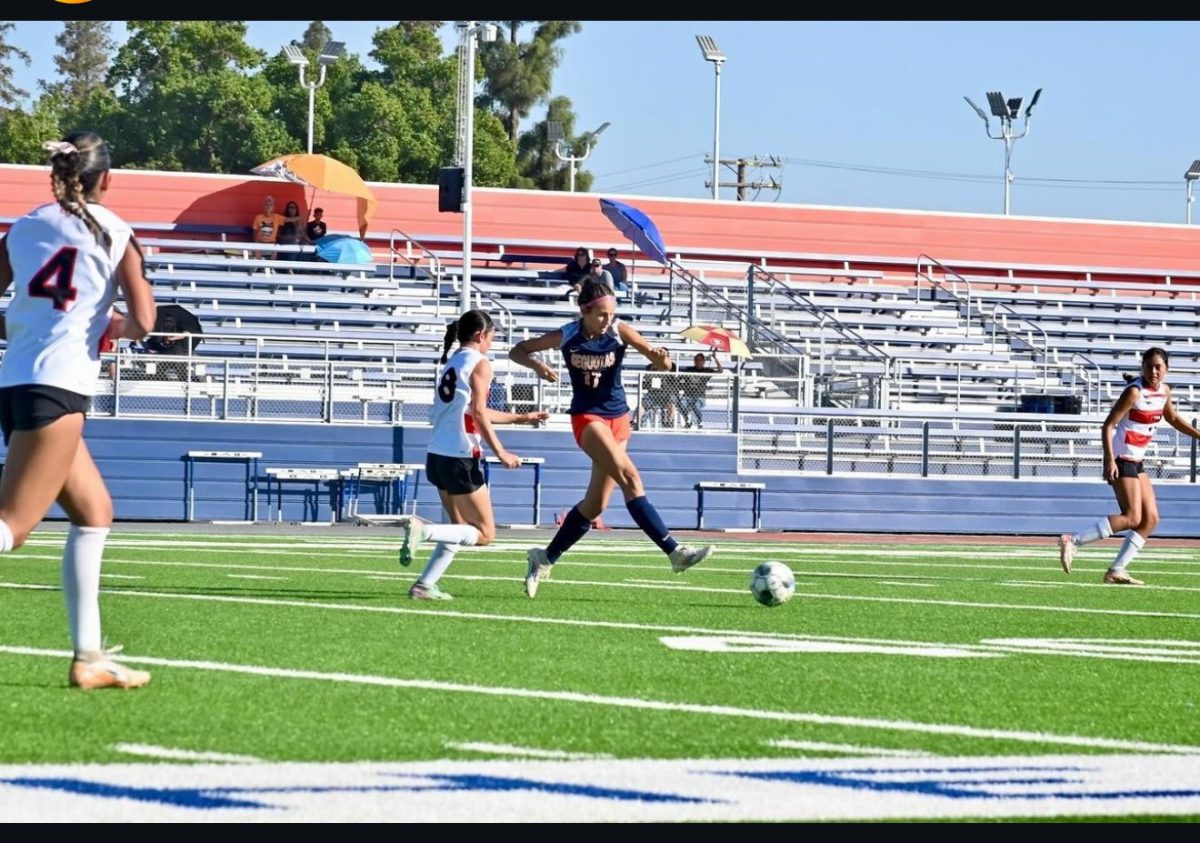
[59, 147]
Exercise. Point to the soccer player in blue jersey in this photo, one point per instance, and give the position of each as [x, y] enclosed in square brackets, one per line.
[593, 347]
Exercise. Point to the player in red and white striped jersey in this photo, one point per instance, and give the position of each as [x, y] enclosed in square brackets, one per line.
[1128, 430]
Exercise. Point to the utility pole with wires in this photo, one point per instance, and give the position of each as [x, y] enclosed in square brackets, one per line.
[738, 167]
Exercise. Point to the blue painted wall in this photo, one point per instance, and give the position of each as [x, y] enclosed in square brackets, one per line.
[142, 461]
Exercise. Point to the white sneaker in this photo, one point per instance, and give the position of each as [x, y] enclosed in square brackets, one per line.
[102, 672]
[538, 570]
[1066, 551]
[683, 558]
[414, 534]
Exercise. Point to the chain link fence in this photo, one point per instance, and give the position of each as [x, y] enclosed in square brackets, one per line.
[1018, 446]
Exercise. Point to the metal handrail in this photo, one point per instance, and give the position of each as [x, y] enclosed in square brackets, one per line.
[435, 263]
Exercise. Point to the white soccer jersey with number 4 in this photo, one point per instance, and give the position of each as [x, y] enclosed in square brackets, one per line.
[64, 284]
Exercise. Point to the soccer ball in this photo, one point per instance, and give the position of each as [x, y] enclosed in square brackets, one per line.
[772, 583]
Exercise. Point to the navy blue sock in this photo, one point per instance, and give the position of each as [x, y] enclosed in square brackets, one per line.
[574, 527]
[648, 519]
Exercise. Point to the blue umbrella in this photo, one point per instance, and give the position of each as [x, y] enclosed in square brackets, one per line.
[638, 227]
[340, 248]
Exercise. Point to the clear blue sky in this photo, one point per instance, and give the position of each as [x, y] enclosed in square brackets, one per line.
[867, 114]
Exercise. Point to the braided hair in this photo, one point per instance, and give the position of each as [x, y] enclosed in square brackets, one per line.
[466, 326]
[76, 165]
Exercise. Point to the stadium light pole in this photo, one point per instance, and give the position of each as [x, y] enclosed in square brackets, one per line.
[712, 53]
[331, 52]
[554, 131]
[465, 138]
[1190, 177]
[1006, 111]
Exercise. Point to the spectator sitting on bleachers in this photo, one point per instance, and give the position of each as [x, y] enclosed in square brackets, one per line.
[599, 273]
[618, 271]
[578, 268]
[316, 229]
[289, 231]
[266, 225]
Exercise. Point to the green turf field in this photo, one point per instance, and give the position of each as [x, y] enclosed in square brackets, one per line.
[307, 649]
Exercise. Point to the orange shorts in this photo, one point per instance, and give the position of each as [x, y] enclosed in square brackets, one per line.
[619, 426]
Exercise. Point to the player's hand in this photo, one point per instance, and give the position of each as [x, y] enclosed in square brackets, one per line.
[660, 358]
[1110, 471]
[509, 460]
[535, 418]
[116, 324]
[546, 373]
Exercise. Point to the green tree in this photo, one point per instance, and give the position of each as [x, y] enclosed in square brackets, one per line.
[10, 94]
[315, 36]
[538, 166]
[22, 133]
[517, 75]
[83, 61]
[187, 100]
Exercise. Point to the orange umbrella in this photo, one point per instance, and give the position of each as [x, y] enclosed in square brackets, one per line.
[718, 338]
[323, 173]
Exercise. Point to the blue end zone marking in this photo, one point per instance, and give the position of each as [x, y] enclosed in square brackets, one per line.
[958, 788]
[211, 798]
[185, 797]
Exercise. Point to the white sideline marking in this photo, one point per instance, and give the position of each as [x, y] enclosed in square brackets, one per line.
[642, 704]
[484, 616]
[255, 577]
[122, 576]
[525, 751]
[771, 644]
[150, 751]
[909, 584]
[848, 749]
[1033, 584]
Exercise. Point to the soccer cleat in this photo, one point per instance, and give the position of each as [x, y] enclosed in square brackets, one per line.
[683, 558]
[414, 534]
[1120, 578]
[420, 591]
[1066, 551]
[91, 674]
[538, 570]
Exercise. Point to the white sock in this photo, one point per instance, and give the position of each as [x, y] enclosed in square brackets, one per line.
[81, 585]
[1129, 549]
[6, 537]
[1101, 530]
[460, 534]
[439, 561]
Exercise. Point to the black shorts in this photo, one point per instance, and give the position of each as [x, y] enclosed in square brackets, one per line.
[454, 475]
[32, 406]
[1130, 468]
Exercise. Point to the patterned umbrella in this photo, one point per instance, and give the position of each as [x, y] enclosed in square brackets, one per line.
[323, 173]
[717, 337]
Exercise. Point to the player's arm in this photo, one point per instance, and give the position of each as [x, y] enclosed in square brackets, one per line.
[522, 354]
[139, 297]
[659, 357]
[481, 384]
[6, 279]
[1124, 404]
[502, 417]
[1171, 415]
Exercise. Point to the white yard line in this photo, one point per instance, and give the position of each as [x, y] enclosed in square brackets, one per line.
[453, 614]
[525, 751]
[150, 751]
[632, 703]
[255, 577]
[847, 749]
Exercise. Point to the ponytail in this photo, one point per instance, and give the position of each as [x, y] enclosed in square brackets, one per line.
[76, 165]
[463, 329]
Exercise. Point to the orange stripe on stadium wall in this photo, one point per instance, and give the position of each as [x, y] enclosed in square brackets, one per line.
[521, 216]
